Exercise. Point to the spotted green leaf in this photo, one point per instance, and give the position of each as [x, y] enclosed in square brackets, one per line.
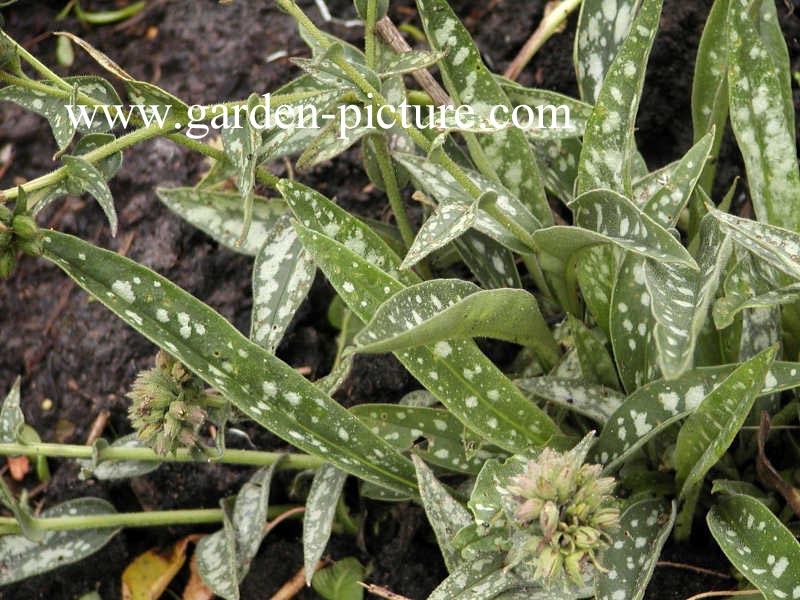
[594, 401]
[657, 405]
[54, 107]
[550, 110]
[446, 443]
[83, 176]
[605, 217]
[216, 557]
[107, 167]
[335, 138]
[712, 427]
[365, 273]
[326, 489]
[630, 560]
[596, 272]
[241, 146]
[681, 298]
[158, 106]
[758, 545]
[469, 82]
[603, 26]
[448, 222]
[23, 558]
[559, 163]
[665, 205]
[764, 132]
[492, 264]
[223, 557]
[509, 223]
[264, 388]
[408, 62]
[710, 86]
[433, 312]
[608, 145]
[11, 418]
[341, 580]
[282, 275]
[483, 577]
[219, 214]
[775, 245]
[311, 98]
[445, 514]
[751, 283]
[596, 364]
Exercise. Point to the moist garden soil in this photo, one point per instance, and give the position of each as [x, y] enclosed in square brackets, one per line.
[77, 361]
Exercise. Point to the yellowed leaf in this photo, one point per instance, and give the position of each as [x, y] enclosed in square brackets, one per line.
[150, 573]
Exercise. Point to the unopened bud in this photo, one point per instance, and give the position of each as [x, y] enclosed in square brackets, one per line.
[32, 246]
[25, 227]
[548, 519]
[549, 564]
[5, 214]
[573, 565]
[606, 518]
[587, 537]
[7, 263]
[529, 510]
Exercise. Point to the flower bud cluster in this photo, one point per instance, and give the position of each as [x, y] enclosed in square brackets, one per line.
[167, 407]
[566, 511]
[18, 233]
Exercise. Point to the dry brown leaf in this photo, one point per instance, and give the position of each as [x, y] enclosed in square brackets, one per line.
[18, 467]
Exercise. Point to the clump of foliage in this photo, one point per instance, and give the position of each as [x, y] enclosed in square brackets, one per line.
[647, 309]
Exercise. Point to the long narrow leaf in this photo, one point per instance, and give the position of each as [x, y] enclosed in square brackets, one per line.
[266, 389]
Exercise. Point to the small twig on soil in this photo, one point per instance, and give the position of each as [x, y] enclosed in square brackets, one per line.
[98, 425]
[723, 593]
[768, 474]
[292, 587]
[666, 563]
[382, 592]
[270, 525]
[392, 36]
[59, 308]
[555, 14]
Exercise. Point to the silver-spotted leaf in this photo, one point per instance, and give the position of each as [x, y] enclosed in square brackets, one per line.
[264, 388]
[282, 275]
[436, 311]
[323, 497]
[630, 560]
[219, 214]
[758, 545]
[23, 558]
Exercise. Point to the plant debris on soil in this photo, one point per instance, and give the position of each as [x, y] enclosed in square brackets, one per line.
[77, 361]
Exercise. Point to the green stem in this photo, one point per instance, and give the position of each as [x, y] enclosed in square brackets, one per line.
[38, 66]
[369, 32]
[153, 518]
[120, 143]
[392, 189]
[551, 23]
[294, 11]
[182, 455]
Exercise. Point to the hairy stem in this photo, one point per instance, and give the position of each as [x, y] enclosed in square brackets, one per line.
[230, 456]
[153, 518]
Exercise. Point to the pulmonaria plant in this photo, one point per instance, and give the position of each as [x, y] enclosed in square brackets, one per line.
[168, 406]
[679, 308]
[567, 512]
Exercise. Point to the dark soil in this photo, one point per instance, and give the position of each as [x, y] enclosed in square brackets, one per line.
[77, 361]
